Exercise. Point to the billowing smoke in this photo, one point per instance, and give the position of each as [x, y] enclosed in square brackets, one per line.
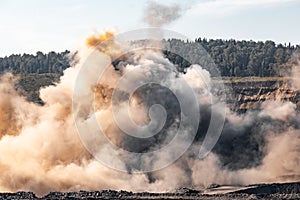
[41, 150]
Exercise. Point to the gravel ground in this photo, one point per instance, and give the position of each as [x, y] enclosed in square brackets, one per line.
[262, 191]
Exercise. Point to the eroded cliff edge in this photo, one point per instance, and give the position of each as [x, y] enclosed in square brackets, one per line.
[244, 94]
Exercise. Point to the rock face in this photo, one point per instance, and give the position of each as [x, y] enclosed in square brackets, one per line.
[244, 95]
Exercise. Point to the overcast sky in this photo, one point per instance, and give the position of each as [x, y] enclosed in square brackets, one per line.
[28, 26]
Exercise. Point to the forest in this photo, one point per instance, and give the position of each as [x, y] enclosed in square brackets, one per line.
[233, 58]
[40, 63]
[236, 58]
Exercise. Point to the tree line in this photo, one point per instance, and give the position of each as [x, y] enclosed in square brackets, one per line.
[233, 58]
[40, 63]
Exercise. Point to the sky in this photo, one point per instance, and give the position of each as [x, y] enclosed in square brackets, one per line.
[56, 25]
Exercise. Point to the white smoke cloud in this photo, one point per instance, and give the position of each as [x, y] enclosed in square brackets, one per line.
[158, 14]
[295, 73]
[278, 110]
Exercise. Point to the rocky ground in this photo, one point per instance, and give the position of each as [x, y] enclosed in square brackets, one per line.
[261, 191]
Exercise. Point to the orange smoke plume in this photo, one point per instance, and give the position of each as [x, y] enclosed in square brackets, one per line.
[96, 39]
[104, 43]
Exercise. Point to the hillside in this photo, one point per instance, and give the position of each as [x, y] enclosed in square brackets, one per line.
[237, 62]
